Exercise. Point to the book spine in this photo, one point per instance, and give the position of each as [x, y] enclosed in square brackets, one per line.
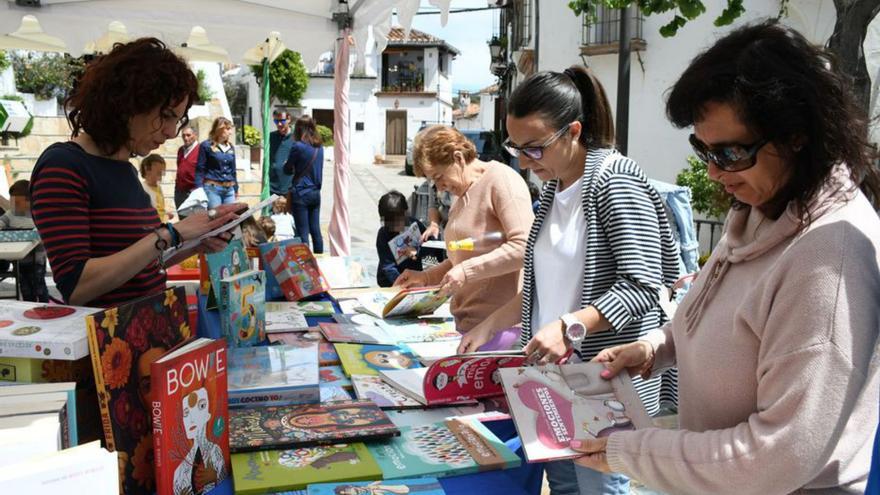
[103, 393]
[159, 452]
[310, 395]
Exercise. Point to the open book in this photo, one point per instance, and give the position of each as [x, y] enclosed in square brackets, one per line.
[415, 301]
[554, 404]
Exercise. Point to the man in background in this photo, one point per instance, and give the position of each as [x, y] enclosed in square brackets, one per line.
[280, 143]
[187, 158]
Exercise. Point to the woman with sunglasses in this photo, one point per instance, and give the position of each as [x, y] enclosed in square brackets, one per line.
[776, 342]
[600, 249]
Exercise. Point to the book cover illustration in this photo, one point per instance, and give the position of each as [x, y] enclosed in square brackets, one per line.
[356, 334]
[368, 387]
[190, 433]
[448, 448]
[389, 332]
[277, 427]
[365, 359]
[285, 317]
[37, 330]
[123, 342]
[552, 405]
[294, 270]
[274, 375]
[243, 317]
[344, 272]
[415, 301]
[331, 393]
[467, 377]
[406, 243]
[422, 486]
[333, 375]
[316, 308]
[327, 355]
[224, 264]
[276, 470]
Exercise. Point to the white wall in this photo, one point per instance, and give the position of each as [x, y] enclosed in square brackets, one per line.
[7, 82]
[362, 108]
[214, 81]
[469, 123]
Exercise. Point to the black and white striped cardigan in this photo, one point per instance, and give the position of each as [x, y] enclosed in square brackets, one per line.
[630, 252]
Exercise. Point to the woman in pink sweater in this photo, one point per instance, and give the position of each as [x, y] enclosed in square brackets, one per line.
[776, 343]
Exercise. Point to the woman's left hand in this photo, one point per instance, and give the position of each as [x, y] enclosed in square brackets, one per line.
[548, 345]
[453, 281]
[595, 457]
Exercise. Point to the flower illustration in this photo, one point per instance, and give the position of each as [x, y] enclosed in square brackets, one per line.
[121, 408]
[111, 319]
[184, 331]
[137, 334]
[143, 462]
[137, 421]
[116, 363]
[170, 298]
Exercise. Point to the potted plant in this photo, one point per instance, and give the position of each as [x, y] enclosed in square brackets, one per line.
[253, 138]
[43, 79]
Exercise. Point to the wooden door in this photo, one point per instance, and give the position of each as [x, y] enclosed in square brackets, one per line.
[395, 132]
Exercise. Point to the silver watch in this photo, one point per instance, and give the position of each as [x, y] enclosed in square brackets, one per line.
[574, 330]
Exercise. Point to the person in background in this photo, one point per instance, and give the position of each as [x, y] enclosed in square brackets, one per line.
[535, 194]
[439, 204]
[393, 211]
[776, 341]
[152, 169]
[215, 169]
[306, 165]
[268, 226]
[280, 143]
[31, 268]
[283, 219]
[187, 158]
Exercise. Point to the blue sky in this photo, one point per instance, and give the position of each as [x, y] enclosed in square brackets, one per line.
[469, 32]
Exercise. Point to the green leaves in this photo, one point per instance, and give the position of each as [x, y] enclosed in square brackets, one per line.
[734, 9]
[204, 91]
[252, 136]
[685, 10]
[46, 76]
[707, 196]
[288, 77]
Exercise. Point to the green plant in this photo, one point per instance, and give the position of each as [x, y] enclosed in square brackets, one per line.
[12, 97]
[252, 136]
[288, 77]
[4, 61]
[685, 10]
[46, 76]
[326, 134]
[707, 196]
[204, 91]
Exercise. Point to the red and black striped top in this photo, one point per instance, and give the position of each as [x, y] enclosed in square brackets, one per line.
[85, 207]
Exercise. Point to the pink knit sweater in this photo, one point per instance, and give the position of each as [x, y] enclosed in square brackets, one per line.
[776, 346]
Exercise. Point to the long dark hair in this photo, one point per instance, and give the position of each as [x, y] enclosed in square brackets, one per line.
[790, 92]
[115, 87]
[564, 97]
[305, 130]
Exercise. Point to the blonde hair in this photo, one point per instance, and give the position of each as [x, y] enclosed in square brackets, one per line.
[435, 147]
[220, 123]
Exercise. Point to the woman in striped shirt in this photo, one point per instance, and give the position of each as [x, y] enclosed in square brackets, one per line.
[600, 250]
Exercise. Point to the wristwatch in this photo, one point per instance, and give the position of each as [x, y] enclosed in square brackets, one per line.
[573, 329]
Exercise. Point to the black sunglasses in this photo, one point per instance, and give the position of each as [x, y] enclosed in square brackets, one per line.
[733, 158]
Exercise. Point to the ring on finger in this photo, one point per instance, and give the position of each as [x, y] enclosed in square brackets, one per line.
[212, 214]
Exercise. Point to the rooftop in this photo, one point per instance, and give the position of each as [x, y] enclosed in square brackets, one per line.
[396, 37]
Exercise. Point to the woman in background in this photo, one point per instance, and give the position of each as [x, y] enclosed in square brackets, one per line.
[215, 170]
[306, 164]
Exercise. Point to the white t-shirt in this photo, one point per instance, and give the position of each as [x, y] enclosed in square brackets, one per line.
[283, 226]
[559, 258]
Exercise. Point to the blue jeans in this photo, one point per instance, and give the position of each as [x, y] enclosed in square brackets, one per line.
[307, 219]
[567, 478]
[219, 195]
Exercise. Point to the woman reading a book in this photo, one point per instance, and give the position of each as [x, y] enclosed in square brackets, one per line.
[492, 198]
[599, 252]
[102, 235]
[776, 342]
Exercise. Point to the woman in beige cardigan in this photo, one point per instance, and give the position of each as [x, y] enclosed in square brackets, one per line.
[492, 198]
[776, 341]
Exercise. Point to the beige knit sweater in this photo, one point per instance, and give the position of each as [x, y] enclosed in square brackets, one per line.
[498, 201]
[776, 346]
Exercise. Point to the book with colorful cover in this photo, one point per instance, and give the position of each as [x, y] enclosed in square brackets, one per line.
[243, 317]
[406, 242]
[294, 271]
[37, 330]
[421, 486]
[366, 359]
[316, 308]
[368, 387]
[554, 404]
[190, 419]
[285, 316]
[327, 355]
[231, 261]
[278, 427]
[274, 375]
[412, 302]
[331, 393]
[448, 448]
[390, 334]
[294, 469]
[123, 342]
[333, 375]
[344, 272]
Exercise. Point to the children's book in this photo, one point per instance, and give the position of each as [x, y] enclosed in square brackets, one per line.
[331, 393]
[224, 264]
[316, 308]
[333, 375]
[326, 351]
[405, 243]
[294, 271]
[123, 342]
[427, 330]
[365, 359]
[368, 387]
[459, 378]
[415, 301]
[448, 448]
[285, 317]
[243, 317]
[294, 469]
[428, 352]
[554, 404]
[37, 330]
[276, 427]
[344, 272]
[274, 375]
[190, 419]
[84, 469]
[421, 486]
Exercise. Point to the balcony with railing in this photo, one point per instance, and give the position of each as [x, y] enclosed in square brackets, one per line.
[602, 35]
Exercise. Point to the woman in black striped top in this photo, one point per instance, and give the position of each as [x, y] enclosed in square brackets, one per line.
[600, 250]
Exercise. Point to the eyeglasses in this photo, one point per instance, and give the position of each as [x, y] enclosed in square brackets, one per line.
[280, 121]
[534, 152]
[733, 158]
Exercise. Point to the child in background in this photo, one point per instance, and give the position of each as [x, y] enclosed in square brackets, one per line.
[283, 220]
[152, 168]
[31, 268]
[393, 212]
[268, 226]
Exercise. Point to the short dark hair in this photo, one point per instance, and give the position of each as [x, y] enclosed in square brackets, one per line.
[278, 113]
[116, 86]
[790, 92]
[148, 161]
[21, 188]
[564, 97]
[392, 205]
[305, 130]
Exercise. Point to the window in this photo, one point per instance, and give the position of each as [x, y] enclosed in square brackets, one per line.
[522, 26]
[606, 28]
[403, 71]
